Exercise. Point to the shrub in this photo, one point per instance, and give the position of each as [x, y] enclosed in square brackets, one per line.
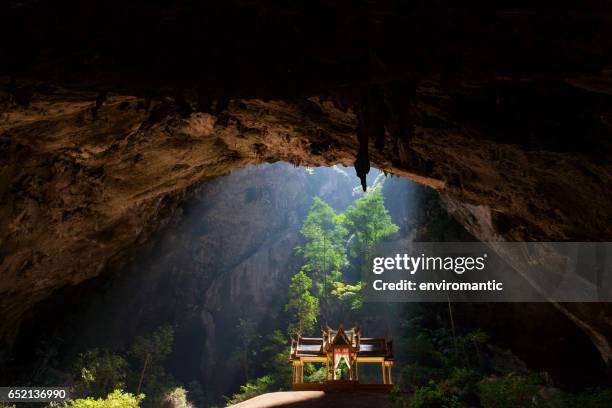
[511, 391]
[116, 399]
[415, 375]
[421, 350]
[465, 382]
[588, 399]
[261, 385]
[434, 396]
[176, 398]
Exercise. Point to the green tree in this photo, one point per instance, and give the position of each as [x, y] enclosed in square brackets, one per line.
[100, 373]
[368, 221]
[275, 352]
[303, 306]
[324, 251]
[278, 372]
[247, 331]
[150, 352]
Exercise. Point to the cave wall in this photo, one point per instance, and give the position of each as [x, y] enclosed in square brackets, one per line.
[227, 253]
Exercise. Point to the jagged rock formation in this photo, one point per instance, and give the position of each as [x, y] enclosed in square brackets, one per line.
[103, 131]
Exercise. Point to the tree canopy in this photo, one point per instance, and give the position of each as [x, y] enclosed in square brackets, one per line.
[324, 251]
[303, 305]
[368, 221]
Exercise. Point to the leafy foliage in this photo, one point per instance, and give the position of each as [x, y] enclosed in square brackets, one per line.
[434, 395]
[275, 354]
[330, 237]
[442, 370]
[312, 374]
[116, 399]
[196, 393]
[511, 391]
[349, 293]
[302, 304]
[596, 398]
[150, 352]
[100, 373]
[466, 371]
[102, 376]
[260, 386]
[324, 251]
[176, 398]
[242, 355]
[368, 221]
[155, 347]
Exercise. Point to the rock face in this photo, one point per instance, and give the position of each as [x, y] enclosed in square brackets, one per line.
[227, 254]
[507, 112]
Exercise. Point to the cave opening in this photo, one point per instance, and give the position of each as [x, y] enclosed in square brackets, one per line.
[218, 273]
[243, 227]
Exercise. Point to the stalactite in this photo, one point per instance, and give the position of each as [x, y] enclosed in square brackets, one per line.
[371, 123]
[362, 163]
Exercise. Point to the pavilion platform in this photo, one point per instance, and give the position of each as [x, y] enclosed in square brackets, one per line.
[343, 386]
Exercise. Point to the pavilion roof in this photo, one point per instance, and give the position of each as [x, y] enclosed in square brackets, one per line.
[364, 346]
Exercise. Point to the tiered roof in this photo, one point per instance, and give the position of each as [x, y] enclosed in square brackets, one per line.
[375, 347]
